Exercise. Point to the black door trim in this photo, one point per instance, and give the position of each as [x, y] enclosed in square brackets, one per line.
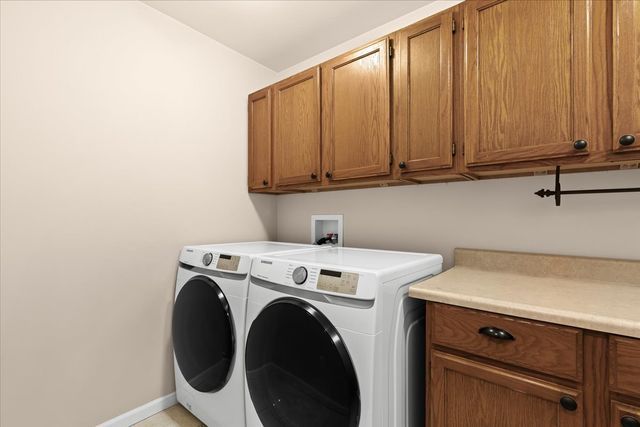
[333, 335]
[228, 341]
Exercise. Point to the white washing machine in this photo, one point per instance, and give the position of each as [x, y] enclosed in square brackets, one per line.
[208, 327]
[334, 340]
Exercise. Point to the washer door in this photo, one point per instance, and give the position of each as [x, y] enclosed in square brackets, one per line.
[203, 334]
[299, 372]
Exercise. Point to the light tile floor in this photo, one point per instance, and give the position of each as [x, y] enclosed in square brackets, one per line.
[176, 416]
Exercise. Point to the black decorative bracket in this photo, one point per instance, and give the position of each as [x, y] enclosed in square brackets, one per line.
[558, 192]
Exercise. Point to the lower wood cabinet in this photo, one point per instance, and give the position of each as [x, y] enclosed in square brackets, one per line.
[624, 365]
[467, 393]
[491, 370]
[624, 415]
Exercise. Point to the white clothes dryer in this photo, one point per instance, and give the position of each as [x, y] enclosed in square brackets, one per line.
[334, 340]
[208, 327]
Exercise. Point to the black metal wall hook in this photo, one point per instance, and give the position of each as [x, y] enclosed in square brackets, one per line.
[558, 192]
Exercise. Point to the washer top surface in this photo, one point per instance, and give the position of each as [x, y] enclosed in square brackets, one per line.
[363, 259]
[252, 248]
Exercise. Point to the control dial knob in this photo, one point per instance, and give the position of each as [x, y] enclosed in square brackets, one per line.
[207, 258]
[299, 275]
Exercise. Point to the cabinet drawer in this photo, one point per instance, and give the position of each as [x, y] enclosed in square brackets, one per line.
[551, 349]
[624, 359]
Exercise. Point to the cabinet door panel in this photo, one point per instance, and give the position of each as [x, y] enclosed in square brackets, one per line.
[528, 92]
[624, 365]
[260, 139]
[425, 94]
[620, 411]
[626, 75]
[467, 393]
[297, 128]
[356, 113]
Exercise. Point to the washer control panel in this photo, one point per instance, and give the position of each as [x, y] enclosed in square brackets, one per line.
[314, 278]
[339, 282]
[317, 278]
[228, 262]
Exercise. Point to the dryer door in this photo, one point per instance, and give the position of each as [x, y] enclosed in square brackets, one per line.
[299, 372]
[203, 334]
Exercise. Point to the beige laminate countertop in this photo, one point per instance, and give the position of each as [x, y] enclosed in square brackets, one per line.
[597, 294]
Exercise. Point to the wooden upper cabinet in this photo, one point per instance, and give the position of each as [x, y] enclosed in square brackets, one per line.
[424, 95]
[297, 130]
[468, 393]
[355, 98]
[527, 83]
[260, 139]
[626, 75]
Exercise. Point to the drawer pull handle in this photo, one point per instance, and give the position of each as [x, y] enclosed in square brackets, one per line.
[568, 403]
[628, 421]
[497, 333]
[627, 140]
[580, 144]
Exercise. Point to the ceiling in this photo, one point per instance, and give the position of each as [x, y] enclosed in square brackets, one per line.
[279, 34]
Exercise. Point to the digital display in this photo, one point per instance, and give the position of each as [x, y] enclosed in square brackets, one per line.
[225, 256]
[331, 273]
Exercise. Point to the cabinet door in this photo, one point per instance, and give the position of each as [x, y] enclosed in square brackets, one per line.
[297, 128]
[425, 94]
[467, 393]
[528, 88]
[260, 139]
[626, 75]
[623, 415]
[355, 96]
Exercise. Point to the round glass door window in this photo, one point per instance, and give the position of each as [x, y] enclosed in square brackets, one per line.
[299, 372]
[203, 334]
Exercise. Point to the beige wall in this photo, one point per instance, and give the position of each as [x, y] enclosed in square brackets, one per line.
[494, 214]
[123, 137]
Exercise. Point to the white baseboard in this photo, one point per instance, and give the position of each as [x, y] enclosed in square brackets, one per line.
[141, 412]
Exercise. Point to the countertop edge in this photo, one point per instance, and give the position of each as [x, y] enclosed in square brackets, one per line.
[569, 318]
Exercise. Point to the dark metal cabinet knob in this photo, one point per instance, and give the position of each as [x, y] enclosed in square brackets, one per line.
[493, 332]
[629, 421]
[265, 182]
[627, 140]
[314, 175]
[328, 175]
[402, 165]
[580, 144]
[568, 403]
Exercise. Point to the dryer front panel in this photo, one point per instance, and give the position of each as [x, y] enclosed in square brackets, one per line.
[298, 369]
[203, 334]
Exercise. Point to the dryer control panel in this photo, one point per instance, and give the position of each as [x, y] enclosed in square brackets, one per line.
[211, 260]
